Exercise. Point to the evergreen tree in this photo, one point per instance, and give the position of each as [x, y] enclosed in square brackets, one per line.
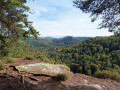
[13, 24]
[107, 10]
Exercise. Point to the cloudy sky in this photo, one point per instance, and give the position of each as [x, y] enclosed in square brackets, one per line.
[60, 18]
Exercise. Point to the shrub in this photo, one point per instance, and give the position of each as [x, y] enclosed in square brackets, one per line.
[10, 60]
[29, 57]
[61, 77]
[2, 67]
[108, 74]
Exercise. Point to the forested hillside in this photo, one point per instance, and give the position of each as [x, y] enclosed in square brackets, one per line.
[94, 54]
[69, 40]
[51, 43]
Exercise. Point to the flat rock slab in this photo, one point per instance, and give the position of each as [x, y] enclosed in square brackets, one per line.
[42, 68]
[87, 87]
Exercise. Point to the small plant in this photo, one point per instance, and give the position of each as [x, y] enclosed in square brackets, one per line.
[10, 60]
[61, 77]
[108, 74]
[31, 62]
[2, 67]
[29, 57]
[23, 73]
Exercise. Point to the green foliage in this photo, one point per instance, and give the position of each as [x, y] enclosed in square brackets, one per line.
[20, 50]
[2, 67]
[75, 68]
[9, 60]
[6, 60]
[40, 43]
[108, 74]
[107, 10]
[15, 9]
[89, 56]
[49, 43]
[94, 68]
[29, 58]
[14, 25]
[61, 77]
[69, 40]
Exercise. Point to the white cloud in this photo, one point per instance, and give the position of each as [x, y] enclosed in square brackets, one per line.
[60, 18]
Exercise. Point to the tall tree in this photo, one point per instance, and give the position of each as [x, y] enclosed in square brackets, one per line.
[107, 10]
[14, 23]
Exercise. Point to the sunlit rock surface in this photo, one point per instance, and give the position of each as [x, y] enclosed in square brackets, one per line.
[42, 68]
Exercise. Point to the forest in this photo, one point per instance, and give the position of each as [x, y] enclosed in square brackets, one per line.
[51, 43]
[89, 56]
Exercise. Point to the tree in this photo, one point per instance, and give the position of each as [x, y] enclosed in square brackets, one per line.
[14, 23]
[107, 10]
[94, 68]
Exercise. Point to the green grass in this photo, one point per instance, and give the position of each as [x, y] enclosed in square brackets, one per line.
[61, 77]
[2, 67]
[9, 60]
[29, 58]
[108, 74]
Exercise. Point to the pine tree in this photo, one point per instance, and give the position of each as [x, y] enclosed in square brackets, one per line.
[107, 10]
[14, 24]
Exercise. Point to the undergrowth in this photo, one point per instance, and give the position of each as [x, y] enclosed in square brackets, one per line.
[108, 74]
[61, 77]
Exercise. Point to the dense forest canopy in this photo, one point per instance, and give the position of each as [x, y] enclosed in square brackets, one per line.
[107, 10]
[94, 54]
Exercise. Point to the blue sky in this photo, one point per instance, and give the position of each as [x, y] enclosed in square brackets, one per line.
[61, 18]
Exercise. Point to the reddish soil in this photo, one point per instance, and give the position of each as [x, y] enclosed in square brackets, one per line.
[10, 79]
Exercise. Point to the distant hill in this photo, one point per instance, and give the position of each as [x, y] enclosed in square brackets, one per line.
[50, 38]
[69, 40]
[40, 43]
[50, 43]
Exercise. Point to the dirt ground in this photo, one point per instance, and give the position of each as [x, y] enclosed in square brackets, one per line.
[11, 79]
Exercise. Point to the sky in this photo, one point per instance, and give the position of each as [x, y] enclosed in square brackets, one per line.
[60, 18]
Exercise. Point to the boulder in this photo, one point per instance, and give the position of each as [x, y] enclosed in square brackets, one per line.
[42, 68]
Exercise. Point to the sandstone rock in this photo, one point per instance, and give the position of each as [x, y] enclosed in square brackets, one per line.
[87, 87]
[42, 68]
[85, 81]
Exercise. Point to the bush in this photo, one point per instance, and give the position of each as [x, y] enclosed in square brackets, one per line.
[108, 74]
[10, 60]
[2, 67]
[61, 77]
[29, 58]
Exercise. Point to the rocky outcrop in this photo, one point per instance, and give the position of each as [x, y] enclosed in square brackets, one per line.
[42, 68]
[38, 76]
